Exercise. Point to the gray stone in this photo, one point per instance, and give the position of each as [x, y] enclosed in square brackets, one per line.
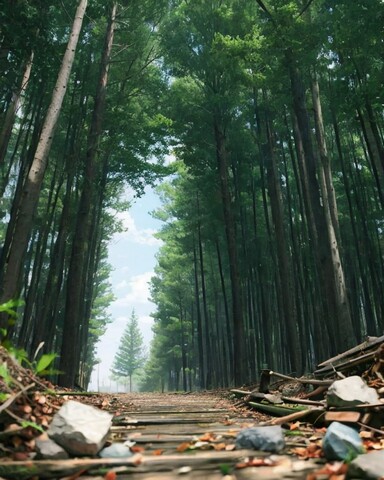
[116, 450]
[350, 391]
[370, 465]
[341, 442]
[47, 449]
[267, 439]
[80, 429]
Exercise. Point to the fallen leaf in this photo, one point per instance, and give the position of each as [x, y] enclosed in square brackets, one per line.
[230, 448]
[137, 449]
[111, 475]
[294, 426]
[219, 446]
[159, 451]
[20, 456]
[183, 447]
[42, 400]
[335, 471]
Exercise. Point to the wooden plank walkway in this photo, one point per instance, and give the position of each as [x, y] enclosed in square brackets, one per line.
[191, 436]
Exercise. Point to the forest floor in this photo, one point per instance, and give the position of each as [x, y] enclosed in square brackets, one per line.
[193, 436]
[172, 435]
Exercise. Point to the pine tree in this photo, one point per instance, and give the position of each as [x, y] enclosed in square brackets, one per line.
[130, 355]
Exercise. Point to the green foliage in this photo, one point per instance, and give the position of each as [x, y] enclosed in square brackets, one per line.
[9, 308]
[4, 374]
[131, 354]
[28, 423]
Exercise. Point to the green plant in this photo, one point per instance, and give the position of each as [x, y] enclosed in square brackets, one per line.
[10, 309]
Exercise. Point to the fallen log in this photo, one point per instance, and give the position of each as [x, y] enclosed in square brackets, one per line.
[304, 381]
[370, 342]
[353, 362]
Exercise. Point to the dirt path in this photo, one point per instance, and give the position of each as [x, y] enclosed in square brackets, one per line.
[191, 436]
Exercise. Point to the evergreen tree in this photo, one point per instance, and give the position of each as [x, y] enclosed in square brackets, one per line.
[130, 355]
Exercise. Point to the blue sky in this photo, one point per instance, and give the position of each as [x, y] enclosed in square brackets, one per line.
[132, 257]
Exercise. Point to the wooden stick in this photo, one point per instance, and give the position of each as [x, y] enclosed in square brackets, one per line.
[349, 363]
[370, 342]
[294, 416]
[14, 397]
[310, 381]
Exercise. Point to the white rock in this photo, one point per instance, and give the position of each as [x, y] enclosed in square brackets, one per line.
[80, 429]
[47, 449]
[267, 439]
[350, 391]
[370, 465]
[116, 450]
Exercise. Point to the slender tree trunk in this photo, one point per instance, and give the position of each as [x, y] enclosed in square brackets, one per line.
[80, 248]
[34, 181]
[284, 267]
[335, 301]
[200, 334]
[332, 223]
[10, 116]
[240, 370]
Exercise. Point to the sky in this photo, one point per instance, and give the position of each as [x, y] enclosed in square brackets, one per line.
[132, 258]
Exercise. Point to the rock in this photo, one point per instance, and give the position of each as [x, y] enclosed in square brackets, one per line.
[47, 449]
[80, 429]
[350, 391]
[267, 439]
[341, 442]
[116, 450]
[370, 465]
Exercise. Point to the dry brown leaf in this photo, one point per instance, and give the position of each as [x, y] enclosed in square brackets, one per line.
[137, 449]
[159, 451]
[111, 475]
[294, 426]
[42, 400]
[336, 471]
[183, 447]
[230, 448]
[256, 462]
[219, 446]
[25, 409]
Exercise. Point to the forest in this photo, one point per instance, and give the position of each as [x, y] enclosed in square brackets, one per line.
[261, 123]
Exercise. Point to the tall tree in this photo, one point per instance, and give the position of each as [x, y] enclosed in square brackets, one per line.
[23, 222]
[130, 355]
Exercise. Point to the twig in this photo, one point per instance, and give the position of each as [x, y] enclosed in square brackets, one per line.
[294, 416]
[14, 397]
[376, 430]
[310, 381]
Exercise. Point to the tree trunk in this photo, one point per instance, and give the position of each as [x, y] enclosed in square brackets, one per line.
[285, 284]
[240, 371]
[323, 243]
[332, 223]
[10, 116]
[80, 248]
[34, 181]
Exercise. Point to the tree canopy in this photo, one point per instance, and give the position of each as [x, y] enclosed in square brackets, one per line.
[272, 207]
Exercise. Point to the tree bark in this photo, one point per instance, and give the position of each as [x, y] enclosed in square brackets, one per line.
[240, 371]
[80, 249]
[31, 191]
[332, 223]
[10, 116]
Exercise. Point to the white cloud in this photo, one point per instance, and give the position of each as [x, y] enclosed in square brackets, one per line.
[144, 236]
[121, 285]
[139, 290]
[146, 320]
